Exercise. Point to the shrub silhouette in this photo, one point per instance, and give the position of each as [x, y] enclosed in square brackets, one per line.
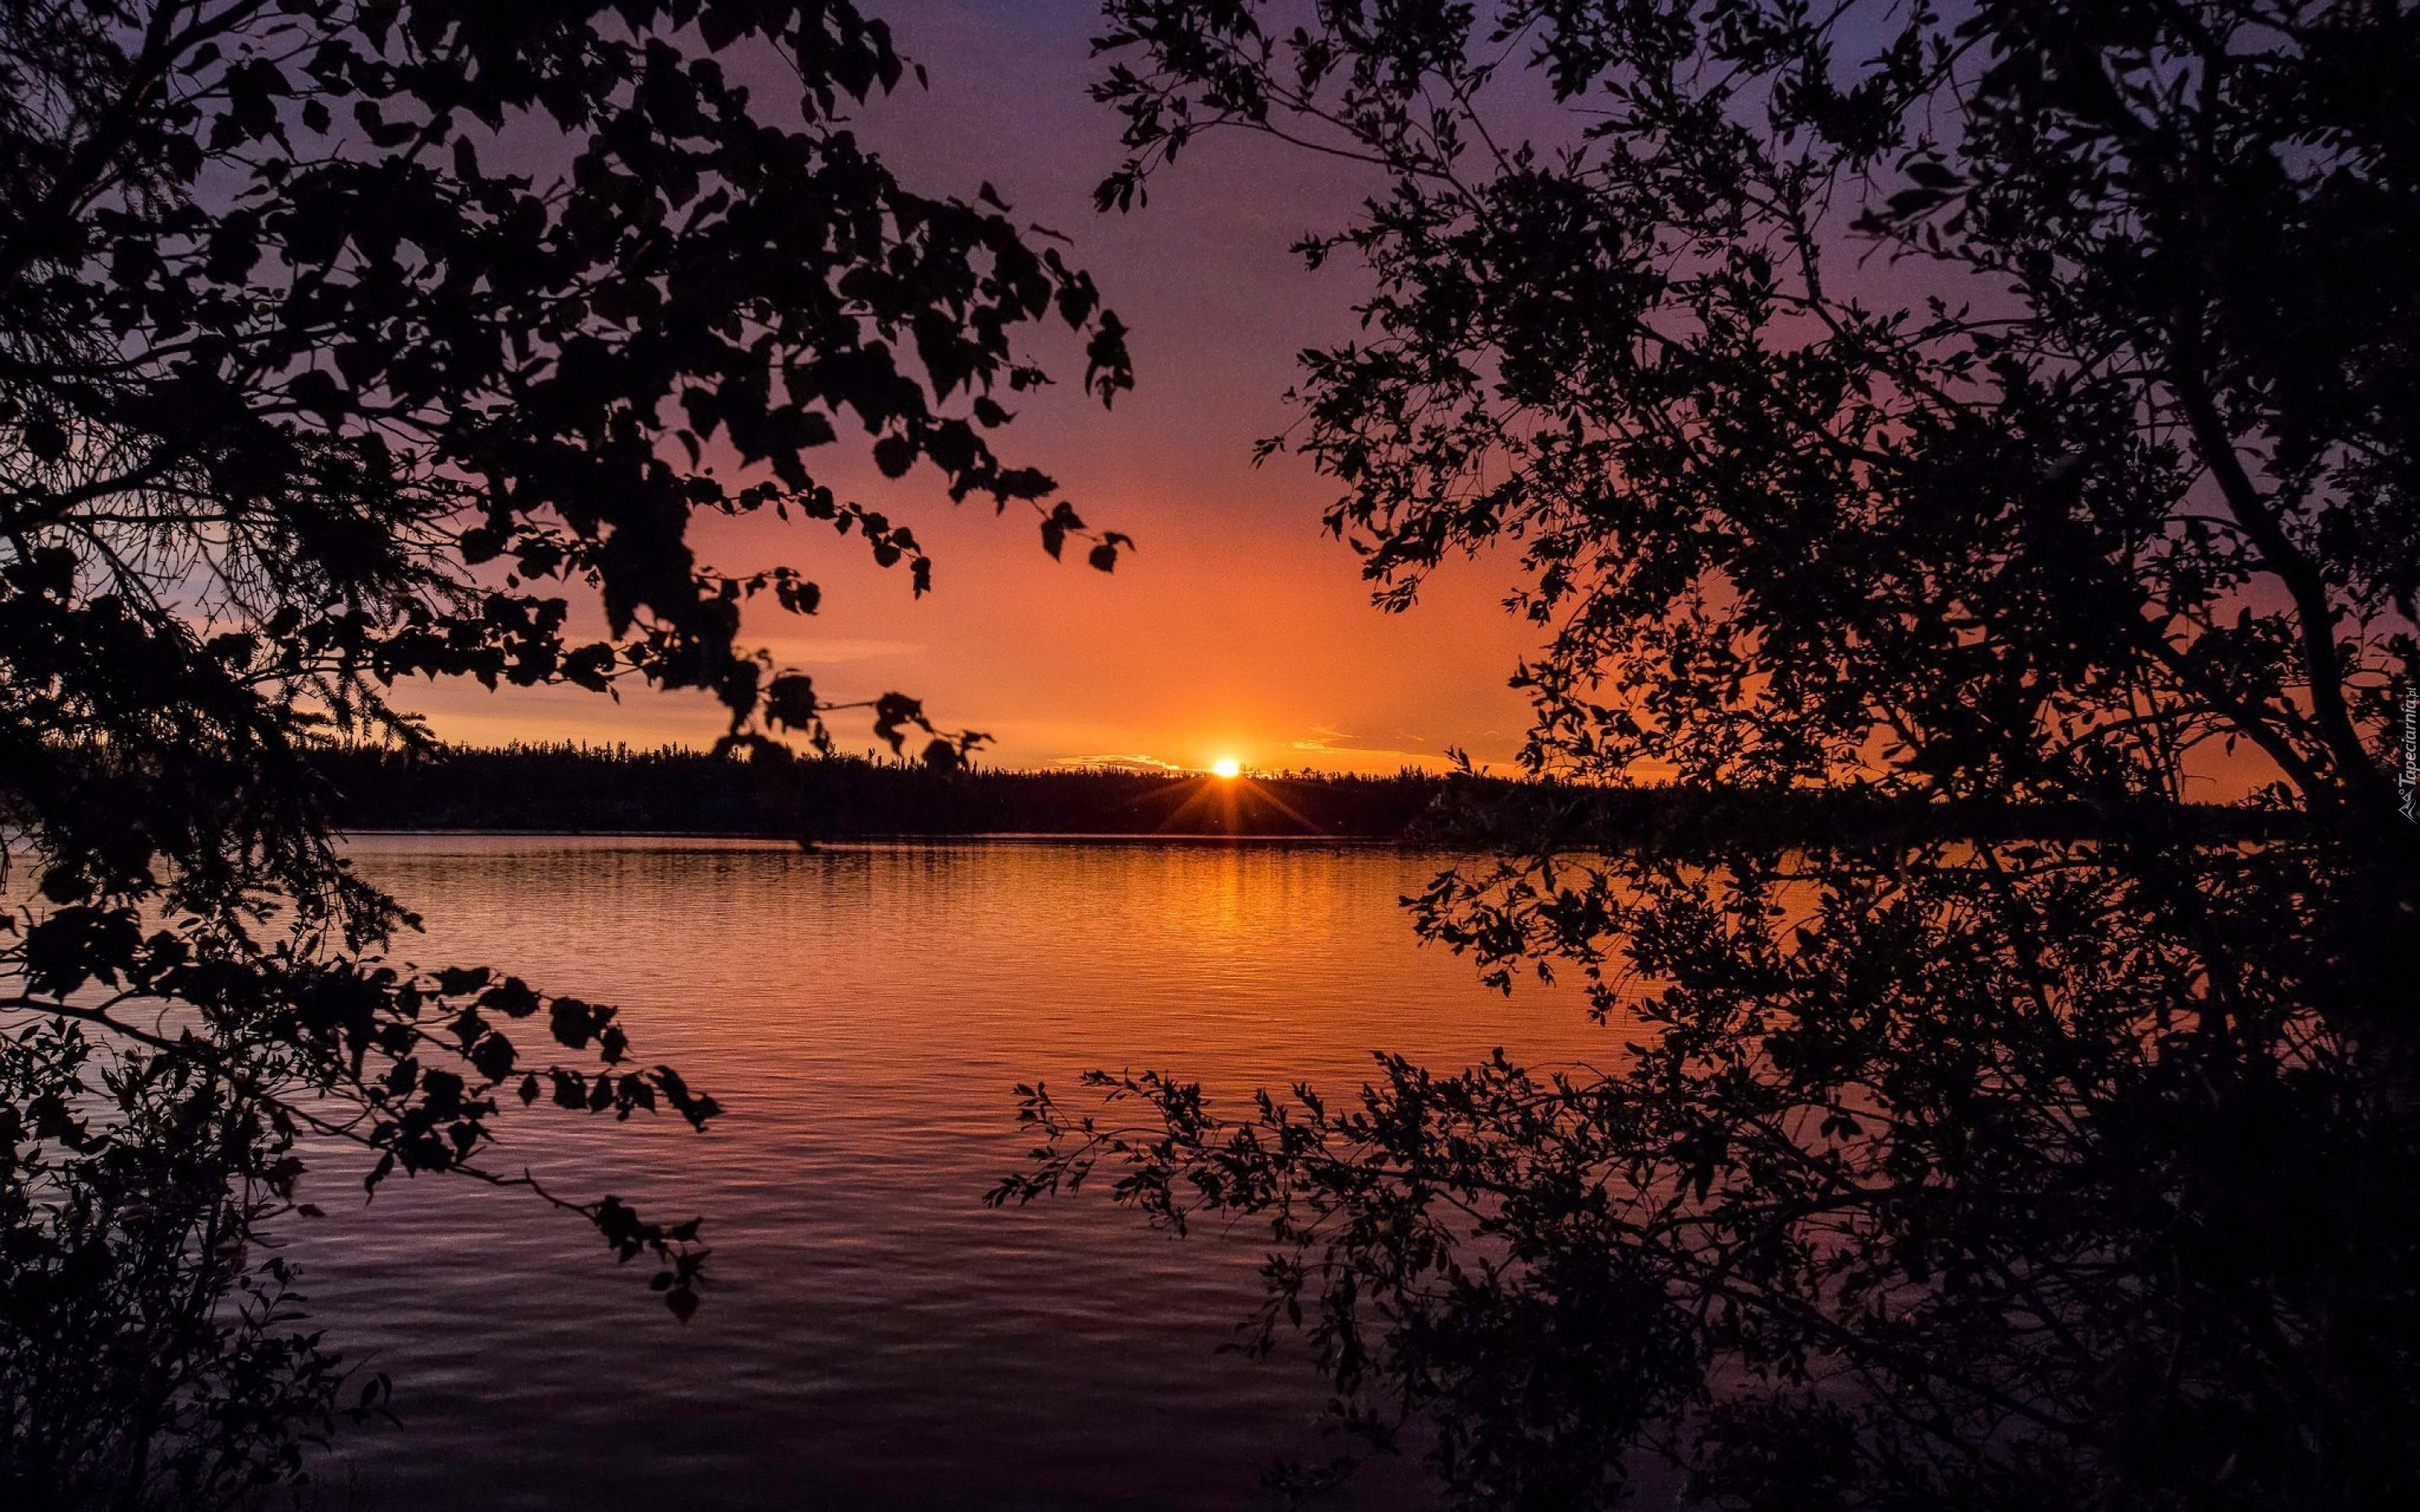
[345, 344]
[2006, 405]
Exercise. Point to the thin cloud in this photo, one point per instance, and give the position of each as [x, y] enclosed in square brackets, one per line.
[836, 652]
[1118, 763]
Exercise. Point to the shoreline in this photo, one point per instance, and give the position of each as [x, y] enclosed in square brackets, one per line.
[869, 841]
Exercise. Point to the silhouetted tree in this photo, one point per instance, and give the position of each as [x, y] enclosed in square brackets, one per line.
[1982, 402]
[344, 342]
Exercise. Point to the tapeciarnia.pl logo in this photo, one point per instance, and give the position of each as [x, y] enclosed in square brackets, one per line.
[2411, 780]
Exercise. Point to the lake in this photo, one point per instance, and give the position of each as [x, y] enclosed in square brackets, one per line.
[874, 1336]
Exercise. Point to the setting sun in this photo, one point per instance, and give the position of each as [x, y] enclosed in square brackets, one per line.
[1227, 766]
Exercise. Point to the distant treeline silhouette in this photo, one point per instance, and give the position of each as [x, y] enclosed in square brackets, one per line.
[677, 790]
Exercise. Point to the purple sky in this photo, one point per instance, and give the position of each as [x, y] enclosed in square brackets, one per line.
[1237, 628]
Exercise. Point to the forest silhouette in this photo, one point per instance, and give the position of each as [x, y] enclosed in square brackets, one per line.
[1928, 443]
[673, 790]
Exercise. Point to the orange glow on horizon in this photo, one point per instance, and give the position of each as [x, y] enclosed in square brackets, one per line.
[1227, 766]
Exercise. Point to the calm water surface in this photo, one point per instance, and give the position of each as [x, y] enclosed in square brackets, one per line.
[874, 1337]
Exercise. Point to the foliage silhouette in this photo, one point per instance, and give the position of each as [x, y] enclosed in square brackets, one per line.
[1992, 404]
[344, 342]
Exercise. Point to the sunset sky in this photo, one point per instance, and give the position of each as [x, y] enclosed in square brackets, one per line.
[1236, 629]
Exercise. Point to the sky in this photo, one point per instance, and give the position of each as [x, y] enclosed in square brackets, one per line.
[1236, 629]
